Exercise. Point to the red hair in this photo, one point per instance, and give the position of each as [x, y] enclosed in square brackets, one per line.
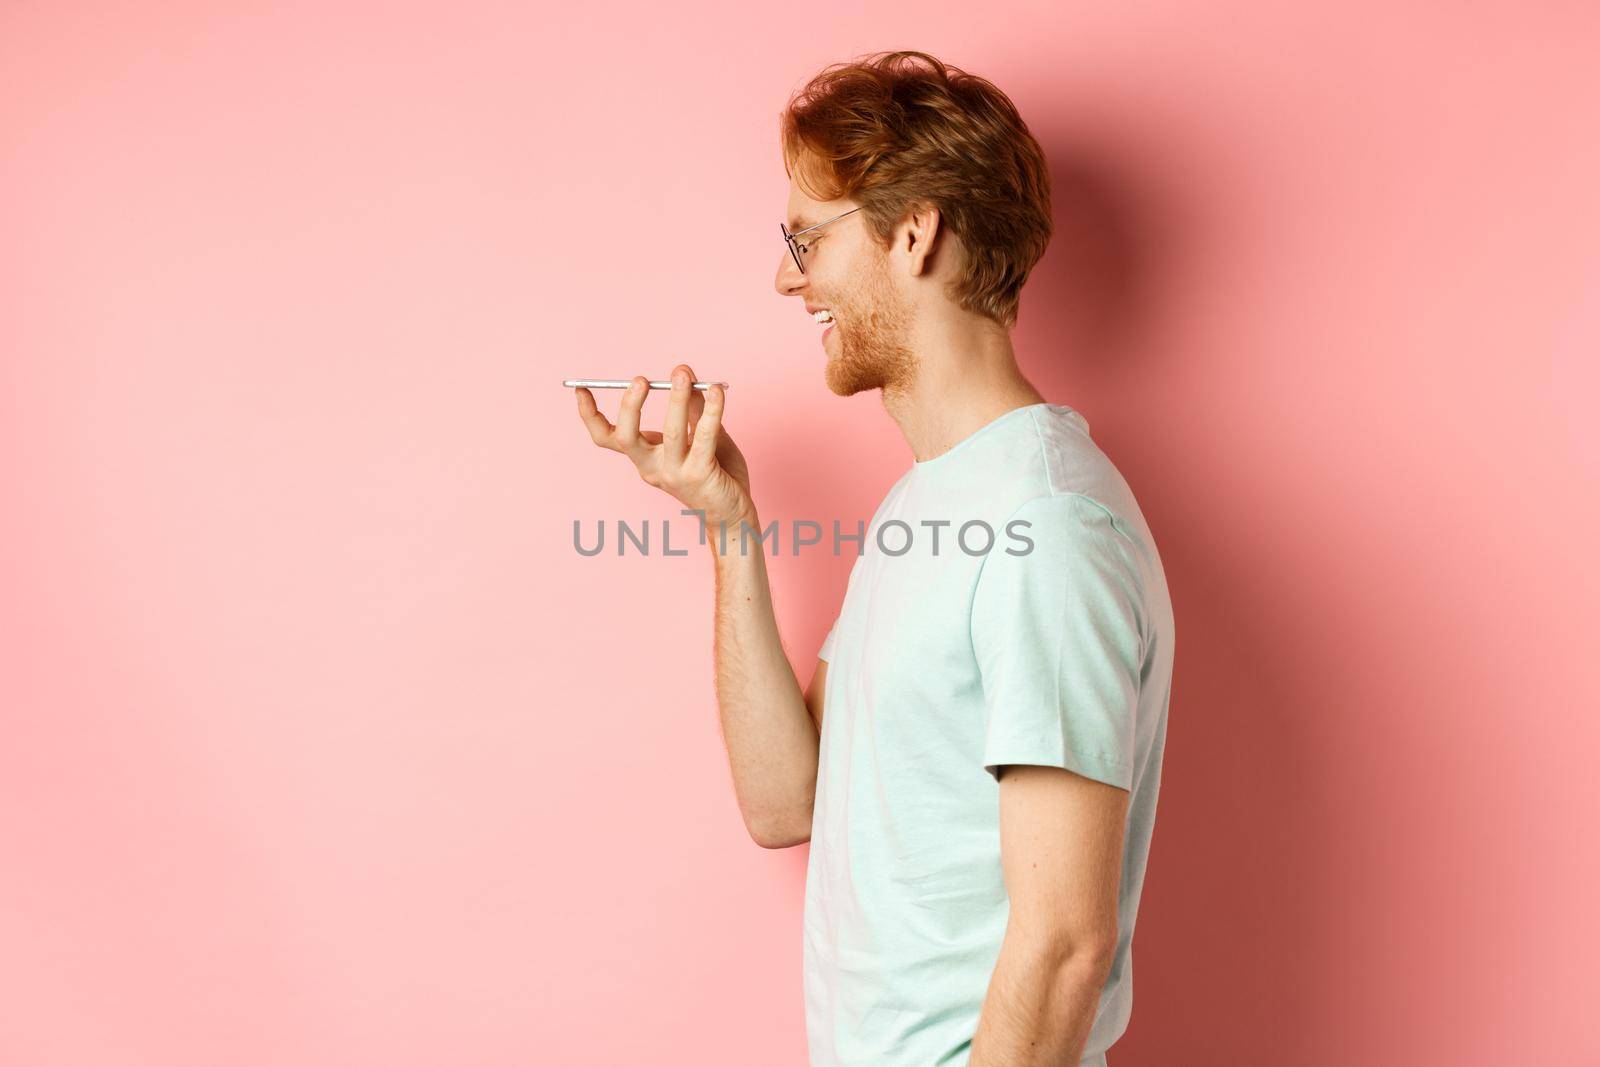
[896, 130]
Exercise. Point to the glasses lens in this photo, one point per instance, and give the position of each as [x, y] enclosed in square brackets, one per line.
[794, 248]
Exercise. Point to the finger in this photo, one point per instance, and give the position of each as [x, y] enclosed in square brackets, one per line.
[707, 428]
[674, 433]
[697, 407]
[599, 427]
[627, 435]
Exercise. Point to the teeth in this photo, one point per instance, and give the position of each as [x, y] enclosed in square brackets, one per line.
[823, 316]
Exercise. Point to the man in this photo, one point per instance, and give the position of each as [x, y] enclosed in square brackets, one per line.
[977, 757]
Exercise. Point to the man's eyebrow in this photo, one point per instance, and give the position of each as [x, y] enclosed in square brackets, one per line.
[801, 223]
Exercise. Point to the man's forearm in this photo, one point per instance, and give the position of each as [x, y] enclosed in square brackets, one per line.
[1040, 1006]
[770, 735]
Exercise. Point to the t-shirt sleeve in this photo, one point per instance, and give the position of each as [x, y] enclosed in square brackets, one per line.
[826, 651]
[1058, 632]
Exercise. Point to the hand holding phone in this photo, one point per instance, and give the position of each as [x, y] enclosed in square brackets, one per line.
[692, 457]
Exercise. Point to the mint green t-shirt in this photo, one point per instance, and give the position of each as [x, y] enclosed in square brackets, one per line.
[1008, 606]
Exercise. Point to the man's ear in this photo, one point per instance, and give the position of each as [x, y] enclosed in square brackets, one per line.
[919, 235]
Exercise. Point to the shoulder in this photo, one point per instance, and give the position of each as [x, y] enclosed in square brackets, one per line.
[1062, 552]
[1069, 464]
[1073, 521]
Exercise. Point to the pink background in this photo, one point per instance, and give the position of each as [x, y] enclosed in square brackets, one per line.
[322, 745]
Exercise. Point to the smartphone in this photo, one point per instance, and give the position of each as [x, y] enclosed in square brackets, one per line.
[614, 383]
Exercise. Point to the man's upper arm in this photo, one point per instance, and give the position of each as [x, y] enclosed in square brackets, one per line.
[816, 692]
[1061, 837]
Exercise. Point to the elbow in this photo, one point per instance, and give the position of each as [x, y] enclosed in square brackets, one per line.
[779, 833]
[1091, 956]
[780, 840]
[1086, 954]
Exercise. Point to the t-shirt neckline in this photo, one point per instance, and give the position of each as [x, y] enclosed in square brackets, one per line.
[1003, 417]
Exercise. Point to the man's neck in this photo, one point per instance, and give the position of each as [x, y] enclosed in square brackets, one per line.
[966, 377]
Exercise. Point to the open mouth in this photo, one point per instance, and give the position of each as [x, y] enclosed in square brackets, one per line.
[824, 317]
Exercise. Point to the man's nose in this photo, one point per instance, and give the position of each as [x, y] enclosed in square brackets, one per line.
[789, 279]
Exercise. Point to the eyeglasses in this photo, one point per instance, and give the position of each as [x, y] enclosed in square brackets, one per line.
[799, 248]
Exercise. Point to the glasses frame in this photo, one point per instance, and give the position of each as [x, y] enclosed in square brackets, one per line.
[789, 238]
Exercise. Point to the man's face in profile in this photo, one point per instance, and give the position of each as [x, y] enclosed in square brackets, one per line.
[850, 274]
